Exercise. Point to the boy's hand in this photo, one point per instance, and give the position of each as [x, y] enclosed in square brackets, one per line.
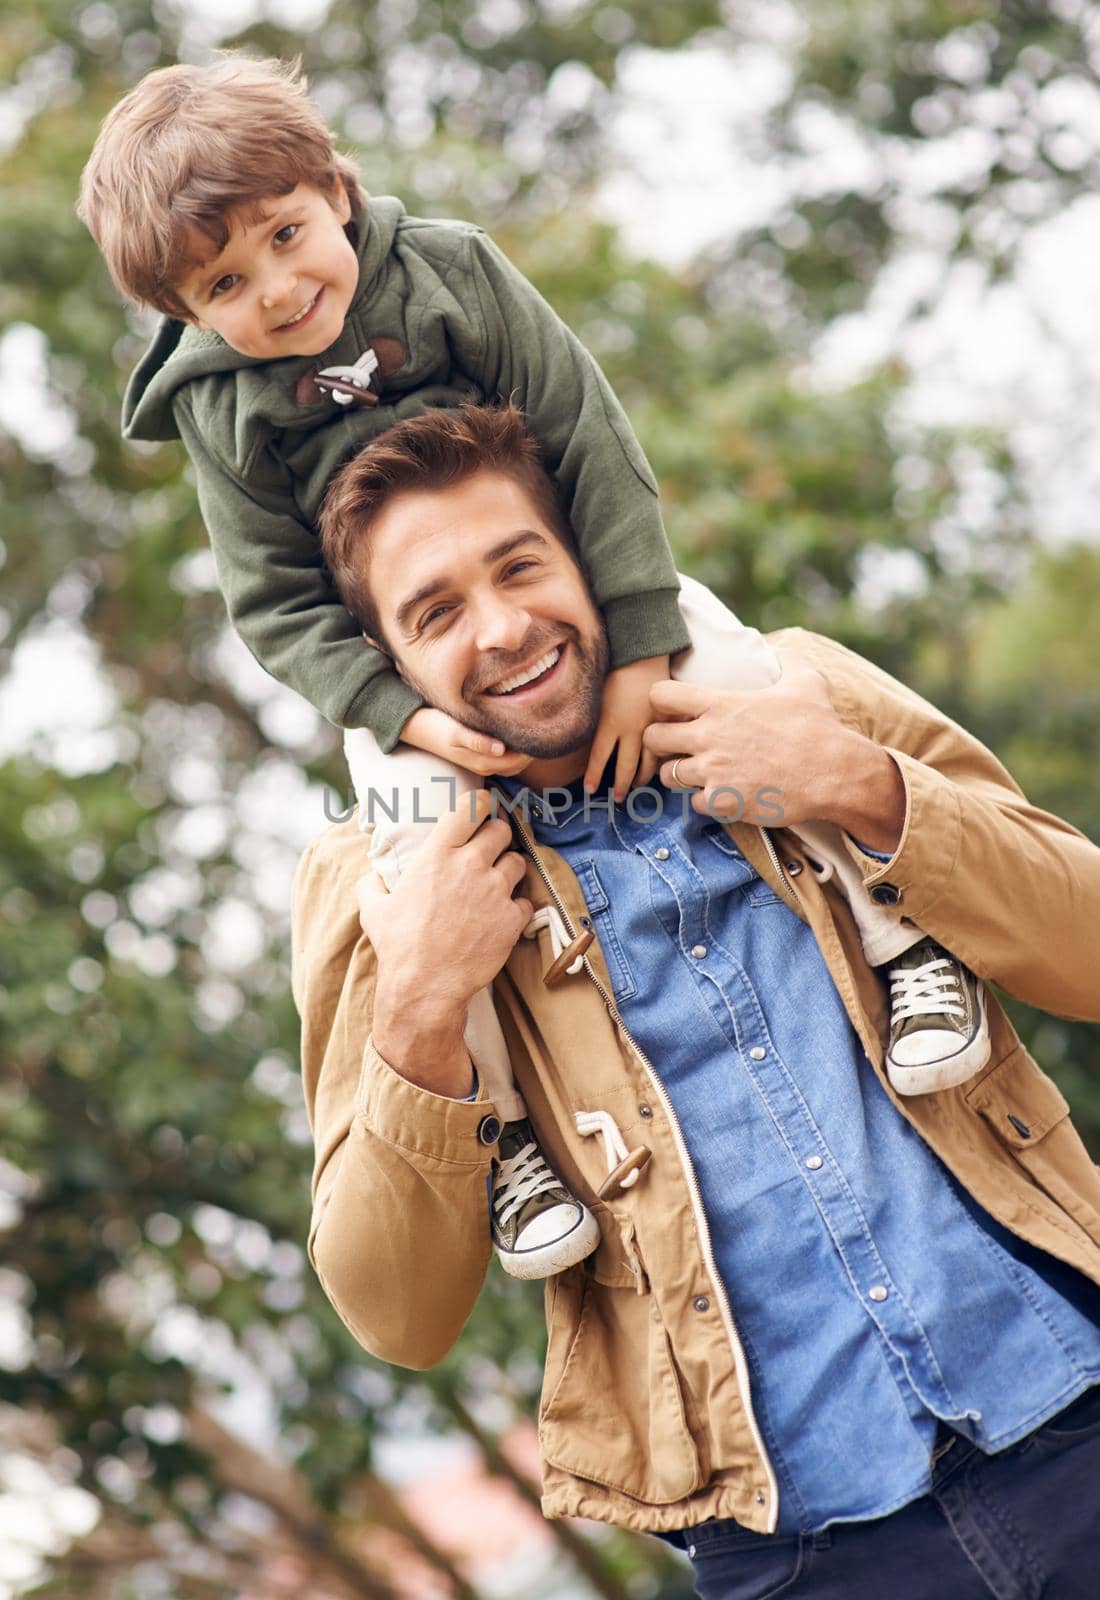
[443, 735]
[624, 716]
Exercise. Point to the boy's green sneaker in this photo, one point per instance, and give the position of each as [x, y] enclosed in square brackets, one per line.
[939, 1034]
[538, 1227]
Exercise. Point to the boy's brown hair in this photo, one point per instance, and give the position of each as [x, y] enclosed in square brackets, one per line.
[431, 451]
[185, 148]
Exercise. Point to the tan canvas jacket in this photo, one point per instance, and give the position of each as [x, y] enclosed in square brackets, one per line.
[646, 1417]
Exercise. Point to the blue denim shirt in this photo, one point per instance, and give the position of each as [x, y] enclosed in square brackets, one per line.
[871, 1293]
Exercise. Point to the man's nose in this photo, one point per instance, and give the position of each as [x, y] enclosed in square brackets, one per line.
[500, 624]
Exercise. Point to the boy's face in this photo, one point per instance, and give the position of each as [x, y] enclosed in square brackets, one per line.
[282, 286]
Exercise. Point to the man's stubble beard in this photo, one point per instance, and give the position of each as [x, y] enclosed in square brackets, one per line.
[526, 736]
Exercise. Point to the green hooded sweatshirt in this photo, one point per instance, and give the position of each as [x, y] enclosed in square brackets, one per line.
[470, 327]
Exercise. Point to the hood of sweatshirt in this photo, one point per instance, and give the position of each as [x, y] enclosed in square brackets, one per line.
[179, 353]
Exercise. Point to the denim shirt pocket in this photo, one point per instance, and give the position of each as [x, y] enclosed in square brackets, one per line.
[750, 883]
[622, 979]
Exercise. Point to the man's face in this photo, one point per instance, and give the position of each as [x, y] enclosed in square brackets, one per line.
[283, 284]
[487, 614]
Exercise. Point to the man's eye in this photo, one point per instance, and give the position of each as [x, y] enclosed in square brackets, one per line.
[224, 285]
[434, 615]
[285, 235]
[519, 566]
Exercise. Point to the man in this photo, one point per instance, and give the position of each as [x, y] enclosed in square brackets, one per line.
[832, 1342]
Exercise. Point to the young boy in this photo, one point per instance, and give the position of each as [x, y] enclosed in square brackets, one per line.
[299, 323]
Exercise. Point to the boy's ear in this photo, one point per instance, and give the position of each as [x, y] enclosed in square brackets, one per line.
[176, 308]
[341, 201]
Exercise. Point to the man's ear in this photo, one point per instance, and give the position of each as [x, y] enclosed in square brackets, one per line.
[387, 652]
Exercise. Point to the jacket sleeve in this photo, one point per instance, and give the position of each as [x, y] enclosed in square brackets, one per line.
[399, 1234]
[1011, 890]
[606, 483]
[282, 603]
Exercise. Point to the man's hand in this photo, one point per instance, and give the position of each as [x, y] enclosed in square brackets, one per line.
[776, 757]
[442, 934]
[443, 735]
[624, 713]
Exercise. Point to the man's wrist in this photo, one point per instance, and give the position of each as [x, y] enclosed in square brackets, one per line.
[423, 1041]
[864, 794]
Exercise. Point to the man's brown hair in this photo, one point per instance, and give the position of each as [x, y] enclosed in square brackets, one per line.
[188, 146]
[432, 451]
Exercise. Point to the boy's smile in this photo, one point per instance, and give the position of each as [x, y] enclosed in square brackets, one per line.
[284, 282]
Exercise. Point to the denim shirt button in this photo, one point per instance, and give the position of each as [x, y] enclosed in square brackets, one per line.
[813, 1162]
[698, 951]
[661, 854]
[877, 1291]
[758, 1052]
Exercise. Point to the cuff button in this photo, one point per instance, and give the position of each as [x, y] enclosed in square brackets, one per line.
[488, 1130]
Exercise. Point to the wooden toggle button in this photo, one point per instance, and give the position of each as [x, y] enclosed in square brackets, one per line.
[634, 1161]
[556, 971]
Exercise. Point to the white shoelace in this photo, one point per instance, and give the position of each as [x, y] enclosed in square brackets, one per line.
[550, 917]
[614, 1145]
[920, 991]
[519, 1178]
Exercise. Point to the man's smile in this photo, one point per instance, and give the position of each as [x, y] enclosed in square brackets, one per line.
[530, 680]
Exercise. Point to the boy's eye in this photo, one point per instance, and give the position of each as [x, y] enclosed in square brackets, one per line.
[224, 285]
[519, 566]
[285, 235]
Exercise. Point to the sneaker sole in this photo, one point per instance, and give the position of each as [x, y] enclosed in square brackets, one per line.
[947, 1074]
[550, 1258]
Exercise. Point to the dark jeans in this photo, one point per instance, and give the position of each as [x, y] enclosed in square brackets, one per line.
[1019, 1525]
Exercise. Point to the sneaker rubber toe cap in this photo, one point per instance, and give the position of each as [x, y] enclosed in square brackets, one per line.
[925, 1046]
[557, 1222]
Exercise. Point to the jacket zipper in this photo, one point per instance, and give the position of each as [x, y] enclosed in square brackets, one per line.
[739, 1362]
[784, 881]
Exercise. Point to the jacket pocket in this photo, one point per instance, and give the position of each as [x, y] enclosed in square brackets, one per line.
[1030, 1115]
[613, 1407]
[744, 875]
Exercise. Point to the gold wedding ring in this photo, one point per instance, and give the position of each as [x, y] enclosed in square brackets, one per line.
[676, 784]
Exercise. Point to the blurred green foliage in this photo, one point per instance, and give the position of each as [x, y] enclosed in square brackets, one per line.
[153, 1138]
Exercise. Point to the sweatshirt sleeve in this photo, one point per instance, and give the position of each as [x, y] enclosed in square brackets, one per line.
[282, 603]
[400, 1175]
[607, 485]
[1011, 890]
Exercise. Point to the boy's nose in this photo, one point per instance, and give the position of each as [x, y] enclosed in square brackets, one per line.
[279, 289]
